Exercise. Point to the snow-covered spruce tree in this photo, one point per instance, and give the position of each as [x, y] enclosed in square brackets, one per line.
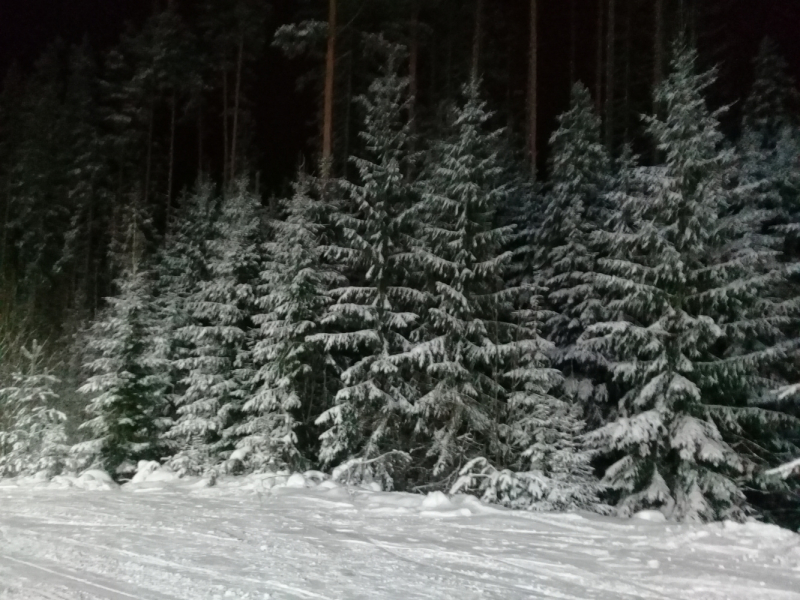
[180, 265]
[770, 142]
[574, 208]
[216, 367]
[129, 379]
[295, 376]
[34, 438]
[462, 252]
[671, 283]
[542, 463]
[774, 99]
[488, 410]
[767, 207]
[374, 315]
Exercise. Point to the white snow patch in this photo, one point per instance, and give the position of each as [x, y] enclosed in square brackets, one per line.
[297, 480]
[436, 500]
[266, 536]
[654, 516]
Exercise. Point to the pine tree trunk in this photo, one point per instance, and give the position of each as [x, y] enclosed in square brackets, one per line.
[348, 112]
[533, 88]
[6, 213]
[149, 162]
[171, 176]
[413, 65]
[658, 44]
[598, 75]
[199, 142]
[330, 72]
[573, 43]
[477, 38]
[225, 135]
[627, 83]
[236, 103]
[89, 247]
[610, 68]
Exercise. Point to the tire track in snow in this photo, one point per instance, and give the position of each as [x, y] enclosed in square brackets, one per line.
[61, 575]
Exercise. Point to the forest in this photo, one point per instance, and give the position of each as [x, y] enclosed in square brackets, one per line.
[432, 285]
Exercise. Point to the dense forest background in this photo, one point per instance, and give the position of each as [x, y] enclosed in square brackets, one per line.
[543, 252]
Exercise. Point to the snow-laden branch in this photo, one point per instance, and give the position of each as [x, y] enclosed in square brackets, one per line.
[787, 470]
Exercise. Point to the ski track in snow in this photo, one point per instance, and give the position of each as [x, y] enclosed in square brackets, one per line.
[176, 542]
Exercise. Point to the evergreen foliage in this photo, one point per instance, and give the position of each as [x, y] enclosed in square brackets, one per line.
[672, 284]
[33, 438]
[373, 317]
[295, 374]
[216, 370]
[575, 208]
[129, 376]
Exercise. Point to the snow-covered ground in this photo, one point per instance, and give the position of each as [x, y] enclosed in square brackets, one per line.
[249, 539]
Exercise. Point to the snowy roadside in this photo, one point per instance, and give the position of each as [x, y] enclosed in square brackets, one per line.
[272, 537]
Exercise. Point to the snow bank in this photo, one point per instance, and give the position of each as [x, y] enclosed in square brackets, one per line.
[305, 536]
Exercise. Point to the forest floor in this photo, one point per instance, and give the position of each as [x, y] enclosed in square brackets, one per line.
[246, 540]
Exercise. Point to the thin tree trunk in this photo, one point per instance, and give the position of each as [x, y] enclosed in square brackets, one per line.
[330, 71]
[477, 38]
[171, 176]
[226, 145]
[149, 164]
[199, 142]
[236, 104]
[348, 111]
[573, 43]
[658, 58]
[413, 65]
[627, 84]
[6, 212]
[598, 76]
[533, 88]
[658, 44]
[610, 68]
[89, 247]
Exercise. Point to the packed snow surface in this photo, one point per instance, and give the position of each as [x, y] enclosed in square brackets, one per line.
[281, 537]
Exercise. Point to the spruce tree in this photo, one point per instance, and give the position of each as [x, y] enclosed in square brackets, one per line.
[678, 292]
[216, 369]
[295, 376]
[463, 254]
[575, 207]
[33, 440]
[489, 402]
[374, 316]
[127, 389]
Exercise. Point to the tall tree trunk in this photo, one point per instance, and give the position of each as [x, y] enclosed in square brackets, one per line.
[658, 44]
[413, 65]
[477, 39]
[200, 135]
[598, 73]
[236, 103]
[149, 164]
[225, 136]
[171, 177]
[627, 83]
[6, 214]
[348, 111]
[610, 68]
[89, 248]
[330, 70]
[573, 43]
[533, 88]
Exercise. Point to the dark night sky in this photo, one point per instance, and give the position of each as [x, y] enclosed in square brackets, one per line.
[27, 26]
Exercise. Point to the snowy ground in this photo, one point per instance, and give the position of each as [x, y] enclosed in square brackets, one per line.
[245, 540]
